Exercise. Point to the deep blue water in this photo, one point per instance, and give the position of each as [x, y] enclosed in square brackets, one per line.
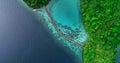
[25, 40]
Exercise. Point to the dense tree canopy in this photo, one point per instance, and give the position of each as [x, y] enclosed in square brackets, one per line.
[36, 3]
[101, 19]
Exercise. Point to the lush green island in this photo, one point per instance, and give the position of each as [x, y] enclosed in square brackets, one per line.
[102, 22]
[36, 3]
[101, 19]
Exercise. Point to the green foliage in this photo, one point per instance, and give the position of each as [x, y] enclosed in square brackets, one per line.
[36, 3]
[101, 19]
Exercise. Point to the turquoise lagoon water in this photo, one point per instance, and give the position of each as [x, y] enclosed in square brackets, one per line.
[66, 15]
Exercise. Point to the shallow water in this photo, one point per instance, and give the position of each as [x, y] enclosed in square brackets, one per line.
[66, 16]
[66, 12]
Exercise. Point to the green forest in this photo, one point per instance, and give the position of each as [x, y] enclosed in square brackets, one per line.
[36, 3]
[101, 19]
